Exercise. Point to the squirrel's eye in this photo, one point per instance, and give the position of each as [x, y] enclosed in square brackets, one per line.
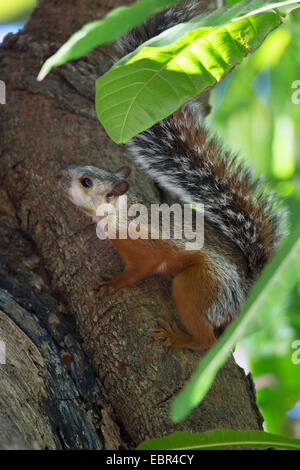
[86, 182]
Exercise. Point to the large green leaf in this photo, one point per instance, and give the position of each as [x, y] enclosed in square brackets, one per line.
[218, 17]
[113, 25]
[279, 276]
[220, 439]
[156, 80]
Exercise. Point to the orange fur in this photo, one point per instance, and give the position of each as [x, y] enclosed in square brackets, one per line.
[142, 259]
[192, 300]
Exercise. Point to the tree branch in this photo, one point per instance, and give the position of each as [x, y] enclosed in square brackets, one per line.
[50, 125]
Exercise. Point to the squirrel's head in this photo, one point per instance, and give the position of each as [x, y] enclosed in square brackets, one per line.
[88, 187]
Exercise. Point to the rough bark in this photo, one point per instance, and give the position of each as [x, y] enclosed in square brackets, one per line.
[45, 126]
[49, 394]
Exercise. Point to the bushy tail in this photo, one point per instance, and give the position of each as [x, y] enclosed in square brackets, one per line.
[171, 16]
[179, 155]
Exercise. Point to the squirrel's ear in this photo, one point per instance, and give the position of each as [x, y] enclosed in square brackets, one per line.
[117, 189]
[123, 172]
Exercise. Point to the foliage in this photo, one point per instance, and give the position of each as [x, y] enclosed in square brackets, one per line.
[115, 23]
[220, 439]
[14, 9]
[153, 83]
[254, 113]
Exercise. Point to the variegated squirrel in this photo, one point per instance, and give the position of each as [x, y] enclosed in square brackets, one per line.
[242, 226]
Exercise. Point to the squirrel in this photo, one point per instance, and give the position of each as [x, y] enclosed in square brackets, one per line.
[242, 223]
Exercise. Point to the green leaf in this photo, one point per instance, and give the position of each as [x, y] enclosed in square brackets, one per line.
[278, 277]
[218, 17]
[9, 11]
[113, 25]
[156, 80]
[120, 20]
[220, 439]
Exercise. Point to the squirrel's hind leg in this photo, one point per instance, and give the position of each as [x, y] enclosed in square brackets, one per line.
[176, 338]
[193, 291]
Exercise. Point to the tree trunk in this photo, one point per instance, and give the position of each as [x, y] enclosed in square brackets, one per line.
[52, 259]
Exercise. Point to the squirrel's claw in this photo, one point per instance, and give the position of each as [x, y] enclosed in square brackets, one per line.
[105, 277]
[166, 333]
[161, 334]
[105, 287]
